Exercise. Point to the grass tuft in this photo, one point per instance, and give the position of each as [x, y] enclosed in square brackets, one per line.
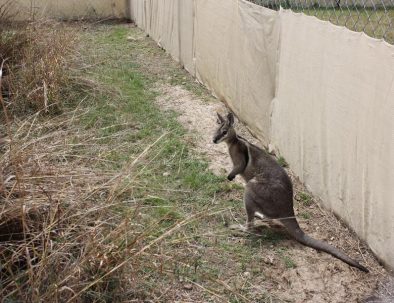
[289, 263]
[305, 215]
[305, 198]
[287, 260]
[36, 70]
[282, 162]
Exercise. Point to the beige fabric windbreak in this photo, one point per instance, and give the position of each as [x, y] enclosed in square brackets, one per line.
[333, 121]
[175, 15]
[321, 94]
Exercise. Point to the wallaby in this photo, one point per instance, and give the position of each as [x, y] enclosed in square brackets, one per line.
[268, 189]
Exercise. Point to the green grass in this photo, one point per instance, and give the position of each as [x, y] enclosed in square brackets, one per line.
[136, 105]
[289, 263]
[305, 198]
[305, 215]
[282, 162]
[374, 22]
[286, 259]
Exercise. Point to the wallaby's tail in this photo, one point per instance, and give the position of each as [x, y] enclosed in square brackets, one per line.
[294, 229]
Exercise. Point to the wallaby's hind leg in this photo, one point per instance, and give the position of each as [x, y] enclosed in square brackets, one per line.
[250, 211]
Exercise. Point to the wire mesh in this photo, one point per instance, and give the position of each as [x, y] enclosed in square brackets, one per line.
[374, 17]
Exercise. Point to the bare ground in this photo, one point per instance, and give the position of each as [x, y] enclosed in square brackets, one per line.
[288, 271]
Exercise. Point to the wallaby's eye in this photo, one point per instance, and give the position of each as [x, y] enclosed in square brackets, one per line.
[225, 132]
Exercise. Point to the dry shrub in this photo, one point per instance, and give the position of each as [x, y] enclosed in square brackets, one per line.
[36, 71]
[7, 11]
[49, 235]
[63, 234]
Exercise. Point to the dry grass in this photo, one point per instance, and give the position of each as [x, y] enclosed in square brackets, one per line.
[65, 235]
[7, 11]
[66, 232]
[36, 58]
[60, 236]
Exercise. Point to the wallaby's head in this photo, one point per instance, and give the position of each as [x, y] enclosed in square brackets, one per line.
[225, 131]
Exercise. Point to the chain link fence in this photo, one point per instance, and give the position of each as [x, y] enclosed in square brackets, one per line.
[374, 17]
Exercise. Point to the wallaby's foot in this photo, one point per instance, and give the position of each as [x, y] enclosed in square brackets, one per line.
[237, 227]
[268, 221]
[244, 228]
[247, 227]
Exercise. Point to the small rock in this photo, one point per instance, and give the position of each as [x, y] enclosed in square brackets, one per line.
[188, 286]
[131, 38]
[268, 260]
[247, 274]
[166, 174]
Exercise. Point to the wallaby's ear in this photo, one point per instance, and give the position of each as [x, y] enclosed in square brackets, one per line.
[220, 119]
[230, 118]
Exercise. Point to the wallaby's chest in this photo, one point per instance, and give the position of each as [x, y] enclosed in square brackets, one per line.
[249, 160]
[238, 153]
[241, 159]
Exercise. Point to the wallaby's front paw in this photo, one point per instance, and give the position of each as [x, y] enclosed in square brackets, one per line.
[230, 177]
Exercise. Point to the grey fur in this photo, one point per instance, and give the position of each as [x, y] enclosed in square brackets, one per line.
[268, 189]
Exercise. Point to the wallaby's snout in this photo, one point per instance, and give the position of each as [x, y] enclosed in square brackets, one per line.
[218, 138]
[224, 130]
